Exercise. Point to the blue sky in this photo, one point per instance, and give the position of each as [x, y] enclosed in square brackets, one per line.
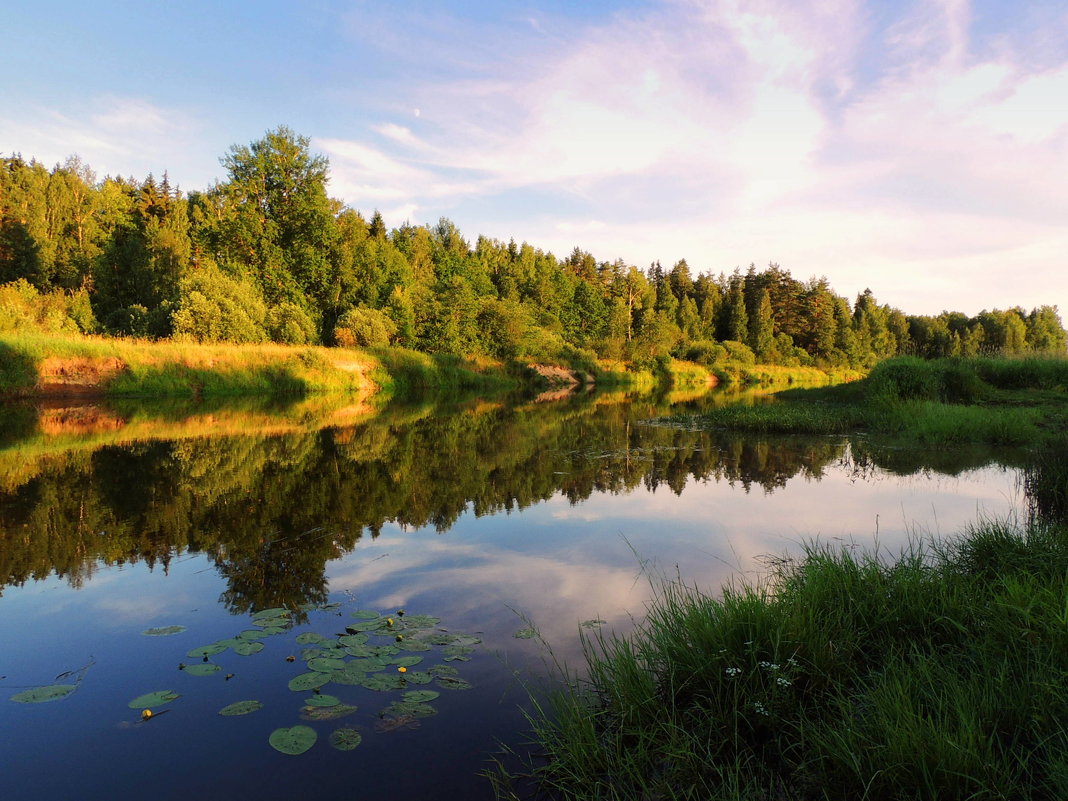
[919, 148]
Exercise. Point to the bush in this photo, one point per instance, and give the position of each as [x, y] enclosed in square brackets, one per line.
[215, 307]
[23, 307]
[739, 352]
[706, 353]
[364, 327]
[289, 324]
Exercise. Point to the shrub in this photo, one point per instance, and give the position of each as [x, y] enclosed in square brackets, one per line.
[705, 352]
[739, 352]
[290, 324]
[215, 307]
[364, 327]
[22, 306]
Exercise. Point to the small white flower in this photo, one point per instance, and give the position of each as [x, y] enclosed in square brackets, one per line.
[782, 682]
[732, 671]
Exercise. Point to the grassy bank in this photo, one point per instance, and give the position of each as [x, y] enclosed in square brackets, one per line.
[945, 401]
[36, 365]
[938, 675]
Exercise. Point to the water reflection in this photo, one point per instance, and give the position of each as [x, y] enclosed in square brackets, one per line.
[272, 494]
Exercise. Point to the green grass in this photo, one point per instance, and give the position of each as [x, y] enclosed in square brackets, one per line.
[940, 674]
[941, 402]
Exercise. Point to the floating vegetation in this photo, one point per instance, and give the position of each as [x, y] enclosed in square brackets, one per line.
[593, 623]
[326, 712]
[241, 708]
[293, 741]
[348, 659]
[526, 634]
[322, 700]
[345, 739]
[163, 631]
[41, 695]
[158, 698]
[202, 669]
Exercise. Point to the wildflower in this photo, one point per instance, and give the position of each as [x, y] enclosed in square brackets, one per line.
[732, 671]
[760, 709]
[782, 682]
[389, 621]
[402, 669]
[146, 714]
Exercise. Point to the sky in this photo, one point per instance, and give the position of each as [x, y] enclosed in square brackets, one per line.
[918, 148]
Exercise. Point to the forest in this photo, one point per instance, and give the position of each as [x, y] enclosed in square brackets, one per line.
[268, 255]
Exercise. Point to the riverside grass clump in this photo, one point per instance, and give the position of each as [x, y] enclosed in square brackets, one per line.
[1006, 401]
[936, 675]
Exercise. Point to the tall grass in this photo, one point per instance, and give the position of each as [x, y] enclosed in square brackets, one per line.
[936, 675]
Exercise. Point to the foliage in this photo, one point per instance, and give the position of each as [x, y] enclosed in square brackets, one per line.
[364, 327]
[24, 307]
[216, 307]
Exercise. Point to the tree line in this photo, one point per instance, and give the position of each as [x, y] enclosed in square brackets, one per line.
[268, 255]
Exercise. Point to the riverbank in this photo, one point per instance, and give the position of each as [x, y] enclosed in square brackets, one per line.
[43, 366]
[934, 675]
[1003, 401]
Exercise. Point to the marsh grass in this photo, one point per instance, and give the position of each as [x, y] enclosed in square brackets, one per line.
[939, 674]
[945, 401]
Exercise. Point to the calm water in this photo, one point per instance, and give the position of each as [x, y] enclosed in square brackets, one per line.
[488, 516]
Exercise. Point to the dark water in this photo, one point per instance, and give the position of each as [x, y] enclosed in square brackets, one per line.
[486, 515]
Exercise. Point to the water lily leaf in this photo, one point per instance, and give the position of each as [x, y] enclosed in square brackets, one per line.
[412, 645]
[163, 631]
[452, 683]
[293, 741]
[526, 634]
[457, 650]
[384, 681]
[241, 708]
[324, 664]
[352, 640]
[308, 637]
[466, 640]
[363, 625]
[322, 700]
[421, 696]
[248, 648]
[207, 650]
[308, 681]
[271, 622]
[418, 677]
[326, 712]
[148, 700]
[333, 606]
[444, 670]
[40, 695]
[278, 611]
[361, 651]
[593, 623]
[457, 658]
[386, 650]
[438, 638]
[372, 665]
[345, 739]
[389, 724]
[421, 621]
[400, 709]
[202, 669]
[406, 661]
[348, 676]
[270, 631]
[252, 634]
[366, 614]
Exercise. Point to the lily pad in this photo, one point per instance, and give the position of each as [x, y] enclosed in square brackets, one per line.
[413, 645]
[352, 640]
[241, 708]
[246, 648]
[253, 634]
[439, 638]
[366, 614]
[361, 651]
[326, 712]
[444, 670]
[364, 625]
[526, 634]
[272, 630]
[324, 664]
[322, 700]
[349, 676]
[457, 650]
[277, 611]
[308, 637]
[149, 700]
[418, 677]
[372, 665]
[409, 709]
[383, 681]
[202, 669]
[308, 681]
[207, 650]
[457, 658]
[293, 741]
[466, 640]
[163, 631]
[421, 621]
[271, 622]
[406, 661]
[452, 683]
[345, 739]
[40, 695]
[593, 623]
[421, 696]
